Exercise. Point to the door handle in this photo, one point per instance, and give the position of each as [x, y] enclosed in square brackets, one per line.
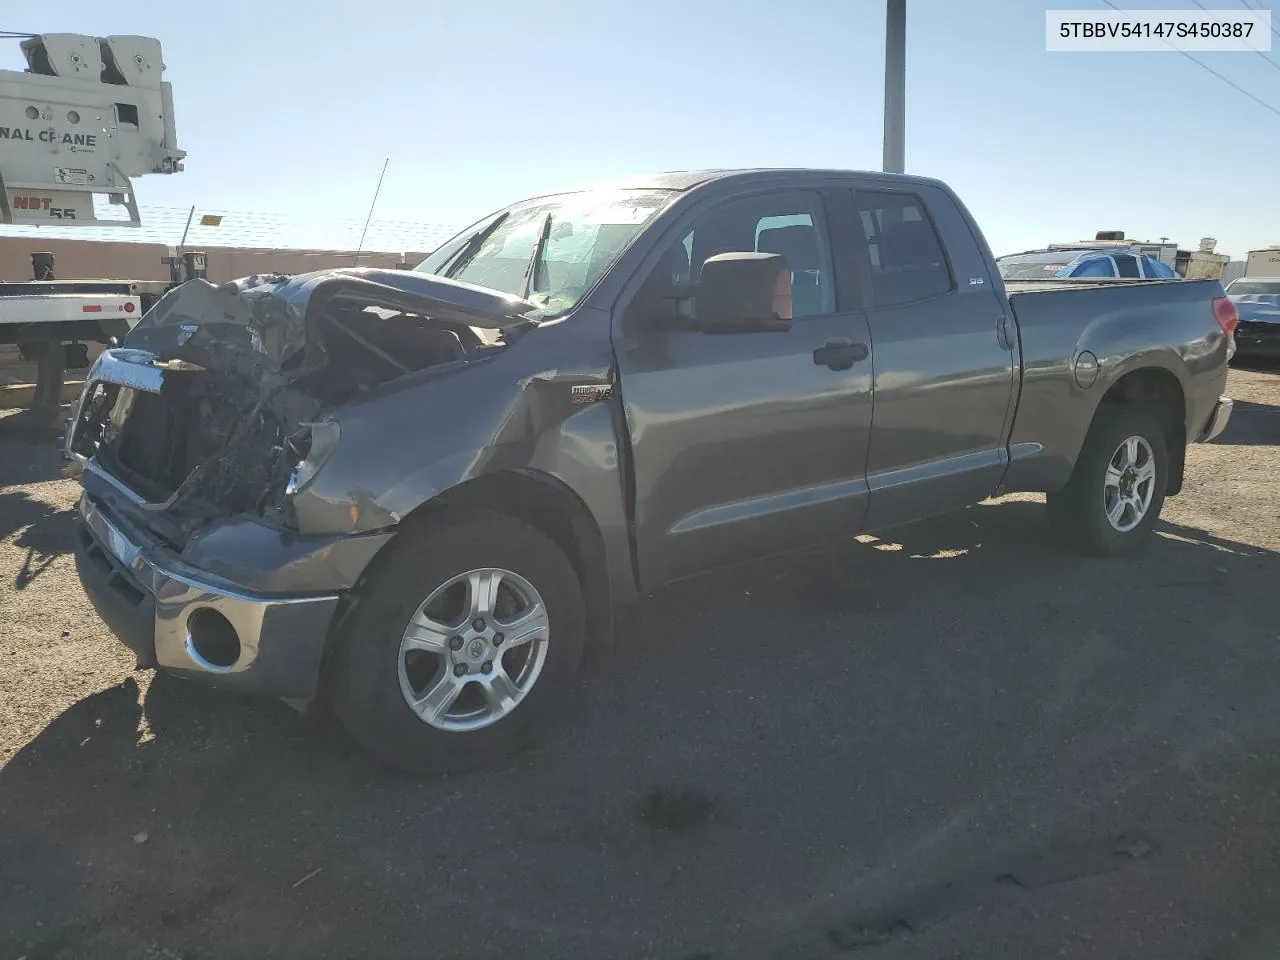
[840, 353]
[1003, 335]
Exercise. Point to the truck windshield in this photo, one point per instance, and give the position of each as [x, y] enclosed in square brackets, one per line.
[1254, 288]
[1035, 267]
[553, 262]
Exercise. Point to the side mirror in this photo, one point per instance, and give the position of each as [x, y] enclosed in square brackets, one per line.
[743, 293]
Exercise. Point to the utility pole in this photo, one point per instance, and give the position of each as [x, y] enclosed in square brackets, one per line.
[895, 85]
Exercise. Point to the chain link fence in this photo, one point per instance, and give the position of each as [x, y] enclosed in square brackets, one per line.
[221, 227]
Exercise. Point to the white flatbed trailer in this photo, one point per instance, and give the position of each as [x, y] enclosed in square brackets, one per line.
[43, 308]
[86, 116]
[48, 318]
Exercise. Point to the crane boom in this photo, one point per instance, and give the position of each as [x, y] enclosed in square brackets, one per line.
[87, 114]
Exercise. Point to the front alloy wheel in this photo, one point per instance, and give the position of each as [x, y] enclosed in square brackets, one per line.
[474, 649]
[478, 668]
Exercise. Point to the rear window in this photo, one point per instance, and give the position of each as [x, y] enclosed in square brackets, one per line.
[1128, 266]
[1037, 267]
[907, 259]
[1095, 267]
[1253, 288]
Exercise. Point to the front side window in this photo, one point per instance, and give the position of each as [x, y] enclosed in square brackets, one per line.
[550, 250]
[905, 252]
[790, 224]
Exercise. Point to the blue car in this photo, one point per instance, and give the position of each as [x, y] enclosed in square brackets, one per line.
[1083, 264]
[1258, 301]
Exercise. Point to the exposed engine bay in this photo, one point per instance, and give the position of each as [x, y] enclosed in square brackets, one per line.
[249, 370]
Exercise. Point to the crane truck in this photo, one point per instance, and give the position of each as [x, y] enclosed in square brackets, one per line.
[86, 116]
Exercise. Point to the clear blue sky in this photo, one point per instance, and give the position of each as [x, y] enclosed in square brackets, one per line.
[290, 109]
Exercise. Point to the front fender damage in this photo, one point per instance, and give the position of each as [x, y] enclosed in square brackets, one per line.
[494, 425]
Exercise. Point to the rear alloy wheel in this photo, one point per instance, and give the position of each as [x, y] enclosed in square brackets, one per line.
[1116, 491]
[462, 644]
[1129, 484]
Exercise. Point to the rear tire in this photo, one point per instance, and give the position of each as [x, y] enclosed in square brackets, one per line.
[373, 679]
[1116, 491]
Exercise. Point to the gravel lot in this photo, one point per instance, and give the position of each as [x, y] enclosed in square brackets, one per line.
[952, 741]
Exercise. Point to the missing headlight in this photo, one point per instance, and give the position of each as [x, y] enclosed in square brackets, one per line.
[313, 446]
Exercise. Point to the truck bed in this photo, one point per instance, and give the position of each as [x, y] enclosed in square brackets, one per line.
[1073, 334]
[1040, 286]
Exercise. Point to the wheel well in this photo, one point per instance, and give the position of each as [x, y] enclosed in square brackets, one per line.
[553, 509]
[1158, 391]
[541, 502]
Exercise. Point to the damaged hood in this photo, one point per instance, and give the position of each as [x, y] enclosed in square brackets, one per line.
[266, 318]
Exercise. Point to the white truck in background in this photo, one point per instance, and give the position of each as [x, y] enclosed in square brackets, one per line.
[1264, 262]
[86, 116]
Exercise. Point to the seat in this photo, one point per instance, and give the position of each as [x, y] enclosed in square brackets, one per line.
[799, 244]
[911, 262]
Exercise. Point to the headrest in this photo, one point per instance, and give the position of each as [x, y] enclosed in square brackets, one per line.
[799, 244]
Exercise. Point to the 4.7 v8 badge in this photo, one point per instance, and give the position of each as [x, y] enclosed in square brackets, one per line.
[590, 393]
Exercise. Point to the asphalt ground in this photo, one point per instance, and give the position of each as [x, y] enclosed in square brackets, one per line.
[953, 740]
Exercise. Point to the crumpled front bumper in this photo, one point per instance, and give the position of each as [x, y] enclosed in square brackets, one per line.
[177, 618]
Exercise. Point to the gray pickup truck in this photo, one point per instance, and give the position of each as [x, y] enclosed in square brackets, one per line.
[415, 495]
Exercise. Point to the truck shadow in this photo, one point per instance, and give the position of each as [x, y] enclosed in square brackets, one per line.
[1252, 424]
[32, 448]
[954, 659]
[26, 426]
[1009, 537]
[44, 532]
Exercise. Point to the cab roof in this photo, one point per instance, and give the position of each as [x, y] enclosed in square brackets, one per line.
[683, 180]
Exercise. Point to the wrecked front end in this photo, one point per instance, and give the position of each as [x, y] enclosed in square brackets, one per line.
[199, 437]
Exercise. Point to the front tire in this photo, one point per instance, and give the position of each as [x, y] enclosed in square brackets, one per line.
[1116, 491]
[462, 645]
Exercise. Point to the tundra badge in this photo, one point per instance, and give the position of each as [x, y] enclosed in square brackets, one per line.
[590, 393]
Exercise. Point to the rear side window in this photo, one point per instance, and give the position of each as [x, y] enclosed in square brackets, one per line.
[1127, 266]
[1097, 267]
[903, 248]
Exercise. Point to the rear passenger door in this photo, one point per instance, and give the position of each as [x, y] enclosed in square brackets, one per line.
[943, 357]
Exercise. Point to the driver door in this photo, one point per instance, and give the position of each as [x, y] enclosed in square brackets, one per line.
[747, 444]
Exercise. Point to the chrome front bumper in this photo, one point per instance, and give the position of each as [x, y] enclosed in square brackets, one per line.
[1217, 420]
[148, 597]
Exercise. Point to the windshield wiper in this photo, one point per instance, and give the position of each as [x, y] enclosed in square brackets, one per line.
[468, 250]
[535, 260]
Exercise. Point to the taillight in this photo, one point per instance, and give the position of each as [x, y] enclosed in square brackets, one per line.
[128, 306]
[1228, 317]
